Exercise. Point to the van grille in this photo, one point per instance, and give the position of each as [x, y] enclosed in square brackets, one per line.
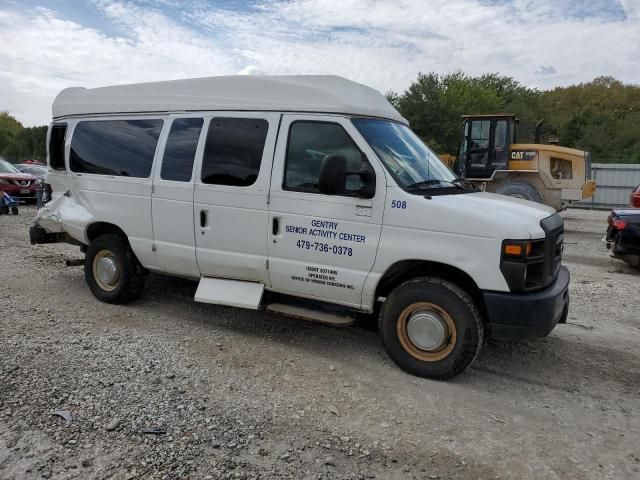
[540, 267]
[553, 227]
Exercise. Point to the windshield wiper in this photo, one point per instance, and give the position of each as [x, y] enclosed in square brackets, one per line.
[424, 183]
[464, 184]
[460, 183]
[433, 182]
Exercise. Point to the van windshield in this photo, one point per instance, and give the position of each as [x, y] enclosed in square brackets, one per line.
[411, 163]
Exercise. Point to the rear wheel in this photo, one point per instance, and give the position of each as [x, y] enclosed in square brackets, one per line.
[14, 210]
[431, 328]
[522, 190]
[112, 271]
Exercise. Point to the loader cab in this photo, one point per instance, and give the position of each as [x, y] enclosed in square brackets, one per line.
[485, 145]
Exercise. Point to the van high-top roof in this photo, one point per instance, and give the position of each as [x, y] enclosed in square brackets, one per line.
[300, 93]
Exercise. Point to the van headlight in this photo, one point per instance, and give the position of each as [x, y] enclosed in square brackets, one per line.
[522, 264]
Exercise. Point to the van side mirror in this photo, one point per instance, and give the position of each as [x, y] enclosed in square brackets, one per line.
[368, 179]
[333, 178]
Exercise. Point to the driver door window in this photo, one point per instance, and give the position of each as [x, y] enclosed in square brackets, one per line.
[308, 145]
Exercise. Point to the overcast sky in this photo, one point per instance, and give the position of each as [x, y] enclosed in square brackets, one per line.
[46, 46]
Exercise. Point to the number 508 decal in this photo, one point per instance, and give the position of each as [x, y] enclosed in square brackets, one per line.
[398, 204]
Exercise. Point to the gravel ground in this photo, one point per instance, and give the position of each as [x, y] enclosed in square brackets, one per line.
[168, 388]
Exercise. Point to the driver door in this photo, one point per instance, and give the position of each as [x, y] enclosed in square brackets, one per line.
[477, 149]
[322, 246]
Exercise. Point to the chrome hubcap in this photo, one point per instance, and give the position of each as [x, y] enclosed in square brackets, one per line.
[106, 270]
[427, 330]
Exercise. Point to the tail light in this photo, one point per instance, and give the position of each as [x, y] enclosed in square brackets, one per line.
[634, 199]
[617, 223]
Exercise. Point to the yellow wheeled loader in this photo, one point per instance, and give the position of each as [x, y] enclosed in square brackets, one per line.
[490, 158]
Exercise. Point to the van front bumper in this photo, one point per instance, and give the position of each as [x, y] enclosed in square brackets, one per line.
[529, 315]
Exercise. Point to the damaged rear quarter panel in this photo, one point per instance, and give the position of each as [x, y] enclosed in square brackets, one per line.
[121, 201]
[63, 214]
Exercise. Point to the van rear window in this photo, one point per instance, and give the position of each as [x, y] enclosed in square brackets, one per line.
[115, 147]
[56, 146]
[233, 152]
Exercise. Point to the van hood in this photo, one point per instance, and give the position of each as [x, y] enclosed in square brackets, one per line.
[486, 215]
[515, 209]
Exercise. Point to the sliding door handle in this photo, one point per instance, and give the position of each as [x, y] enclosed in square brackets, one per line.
[203, 218]
[275, 227]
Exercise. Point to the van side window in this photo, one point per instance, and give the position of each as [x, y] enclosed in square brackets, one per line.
[180, 150]
[233, 152]
[115, 147]
[309, 143]
[56, 146]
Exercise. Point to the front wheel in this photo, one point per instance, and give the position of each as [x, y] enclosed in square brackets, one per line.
[431, 328]
[112, 271]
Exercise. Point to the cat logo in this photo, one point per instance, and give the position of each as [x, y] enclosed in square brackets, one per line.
[523, 155]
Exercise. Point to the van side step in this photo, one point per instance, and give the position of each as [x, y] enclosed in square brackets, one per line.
[234, 293]
[313, 315]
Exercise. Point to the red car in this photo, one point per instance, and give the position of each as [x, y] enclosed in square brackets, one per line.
[634, 198]
[17, 184]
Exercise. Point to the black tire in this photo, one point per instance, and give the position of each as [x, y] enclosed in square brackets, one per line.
[464, 332]
[14, 210]
[4, 210]
[520, 190]
[131, 275]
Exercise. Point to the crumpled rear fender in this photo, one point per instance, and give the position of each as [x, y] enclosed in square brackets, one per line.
[63, 214]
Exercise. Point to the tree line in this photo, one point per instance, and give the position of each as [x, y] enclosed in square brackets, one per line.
[18, 143]
[601, 116]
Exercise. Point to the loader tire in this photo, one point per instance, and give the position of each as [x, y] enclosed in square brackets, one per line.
[522, 190]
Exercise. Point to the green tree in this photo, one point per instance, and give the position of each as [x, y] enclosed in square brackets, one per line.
[602, 116]
[18, 143]
[10, 139]
[434, 105]
[33, 140]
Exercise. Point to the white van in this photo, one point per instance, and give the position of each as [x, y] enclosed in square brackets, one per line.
[269, 190]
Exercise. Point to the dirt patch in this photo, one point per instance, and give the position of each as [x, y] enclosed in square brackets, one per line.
[203, 391]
